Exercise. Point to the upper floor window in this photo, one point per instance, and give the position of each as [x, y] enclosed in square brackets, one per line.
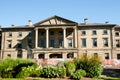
[9, 43]
[20, 33]
[42, 43]
[52, 33]
[106, 55]
[19, 44]
[51, 43]
[105, 42]
[69, 42]
[105, 32]
[60, 32]
[94, 42]
[117, 43]
[69, 32]
[60, 42]
[42, 33]
[83, 32]
[83, 42]
[10, 34]
[29, 41]
[116, 33]
[94, 32]
[30, 34]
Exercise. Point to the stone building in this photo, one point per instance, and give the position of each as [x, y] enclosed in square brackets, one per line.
[57, 37]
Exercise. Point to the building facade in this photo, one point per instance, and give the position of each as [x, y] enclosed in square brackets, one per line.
[57, 37]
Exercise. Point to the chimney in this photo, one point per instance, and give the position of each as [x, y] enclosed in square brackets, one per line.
[85, 20]
[106, 22]
[30, 23]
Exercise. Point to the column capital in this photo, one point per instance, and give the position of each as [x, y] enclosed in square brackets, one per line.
[75, 27]
[36, 29]
[46, 28]
[63, 27]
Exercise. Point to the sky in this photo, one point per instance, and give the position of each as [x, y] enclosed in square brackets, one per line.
[18, 12]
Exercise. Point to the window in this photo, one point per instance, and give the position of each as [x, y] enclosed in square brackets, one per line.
[83, 42]
[51, 43]
[69, 32]
[70, 55]
[8, 55]
[105, 42]
[60, 32]
[9, 43]
[94, 32]
[42, 43]
[116, 33]
[19, 44]
[94, 42]
[42, 33]
[52, 33]
[83, 33]
[106, 55]
[19, 54]
[10, 34]
[60, 42]
[69, 42]
[29, 41]
[30, 34]
[117, 43]
[41, 56]
[20, 34]
[105, 31]
[118, 56]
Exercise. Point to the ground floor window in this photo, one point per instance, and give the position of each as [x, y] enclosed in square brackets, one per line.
[118, 56]
[8, 55]
[70, 55]
[55, 55]
[106, 55]
[41, 56]
[19, 54]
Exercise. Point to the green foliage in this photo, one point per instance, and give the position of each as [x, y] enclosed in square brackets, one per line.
[92, 66]
[11, 67]
[79, 74]
[53, 71]
[30, 71]
[70, 68]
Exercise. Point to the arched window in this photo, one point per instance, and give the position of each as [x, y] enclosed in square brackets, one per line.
[55, 55]
[41, 56]
[70, 55]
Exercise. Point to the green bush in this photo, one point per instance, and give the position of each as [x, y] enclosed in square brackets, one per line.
[49, 72]
[70, 68]
[61, 71]
[11, 67]
[92, 66]
[79, 74]
[30, 71]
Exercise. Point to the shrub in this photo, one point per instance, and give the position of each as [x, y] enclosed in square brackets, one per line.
[61, 71]
[30, 71]
[49, 72]
[70, 68]
[92, 66]
[11, 67]
[79, 74]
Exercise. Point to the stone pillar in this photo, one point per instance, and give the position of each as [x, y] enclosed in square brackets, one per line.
[64, 56]
[75, 36]
[36, 38]
[64, 37]
[47, 37]
[46, 55]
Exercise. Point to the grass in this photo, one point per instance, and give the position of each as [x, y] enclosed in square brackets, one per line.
[109, 78]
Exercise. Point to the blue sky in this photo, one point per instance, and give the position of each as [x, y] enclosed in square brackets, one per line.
[18, 12]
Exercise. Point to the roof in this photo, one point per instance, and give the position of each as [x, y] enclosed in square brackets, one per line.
[55, 17]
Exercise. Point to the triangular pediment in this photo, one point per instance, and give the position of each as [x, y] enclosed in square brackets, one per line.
[55, 20]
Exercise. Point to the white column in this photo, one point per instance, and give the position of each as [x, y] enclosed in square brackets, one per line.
[75, 34]
[36, 38]
[47, 37]
[64, 37]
